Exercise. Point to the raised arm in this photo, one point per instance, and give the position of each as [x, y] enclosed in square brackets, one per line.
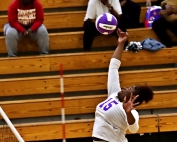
[121, 42]
[113, 75]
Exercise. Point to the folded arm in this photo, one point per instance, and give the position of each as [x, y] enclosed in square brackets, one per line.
[39, 17]
[115, 8]
[13, 20]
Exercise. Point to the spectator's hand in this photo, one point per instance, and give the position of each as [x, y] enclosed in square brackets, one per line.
[26, 33]
[92, 20]
[163, 5]
[166, 12]
[123, 37]
[122, 3]
[105, 2]
[167, 7]
[174, 9]
[29, 31]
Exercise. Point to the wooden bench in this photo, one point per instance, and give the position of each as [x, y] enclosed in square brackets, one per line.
[59, 3]
[59, 20]
[168, 122]
[90, 81]
[74, 129]
[74, 40]
[83, 128]
[77, 105]
[82, 61]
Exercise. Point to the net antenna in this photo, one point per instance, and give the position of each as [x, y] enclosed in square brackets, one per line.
[62, 103]
[8, 133]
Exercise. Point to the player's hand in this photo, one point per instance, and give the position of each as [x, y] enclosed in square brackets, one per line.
[123, 36]
[105, 2]
[128, 105]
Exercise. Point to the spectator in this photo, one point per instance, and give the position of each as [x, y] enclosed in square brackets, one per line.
[25, 18]
[131, 13]
[94, 9]
[167, 21]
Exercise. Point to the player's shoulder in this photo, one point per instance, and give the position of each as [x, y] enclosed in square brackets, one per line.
[94, 2]
[114, 96]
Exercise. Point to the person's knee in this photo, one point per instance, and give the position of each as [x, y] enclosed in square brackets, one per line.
[42, 31]
[89, 26]
[11, 33]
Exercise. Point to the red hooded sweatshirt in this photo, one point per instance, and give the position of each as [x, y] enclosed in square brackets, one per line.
[23, 17]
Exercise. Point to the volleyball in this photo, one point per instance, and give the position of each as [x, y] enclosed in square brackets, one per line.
[106, 23]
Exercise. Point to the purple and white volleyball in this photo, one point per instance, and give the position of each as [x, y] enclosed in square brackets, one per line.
[106, 23]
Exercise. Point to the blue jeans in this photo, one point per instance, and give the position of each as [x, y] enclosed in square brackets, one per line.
[12, 37]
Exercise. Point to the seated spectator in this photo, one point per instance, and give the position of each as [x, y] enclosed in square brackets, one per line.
[94, 9]
[25, 18]
[131, 13]
[167, 21]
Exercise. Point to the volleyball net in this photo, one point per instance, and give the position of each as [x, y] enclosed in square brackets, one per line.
[8, 132]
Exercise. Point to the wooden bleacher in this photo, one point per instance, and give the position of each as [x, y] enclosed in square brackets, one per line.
[59, 3]
[51, 107]
[93, 60]
[83, 128]
[77, 105]
[65, 19]
[75, 129]
[73, 40]
[74, 20]
[86, 81]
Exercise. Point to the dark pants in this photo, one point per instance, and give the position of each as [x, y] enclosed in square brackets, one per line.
[159, 2]
[90, 32]
[131, 14]
[160, 27]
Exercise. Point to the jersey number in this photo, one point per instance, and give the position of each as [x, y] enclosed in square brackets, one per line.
[108, 104]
